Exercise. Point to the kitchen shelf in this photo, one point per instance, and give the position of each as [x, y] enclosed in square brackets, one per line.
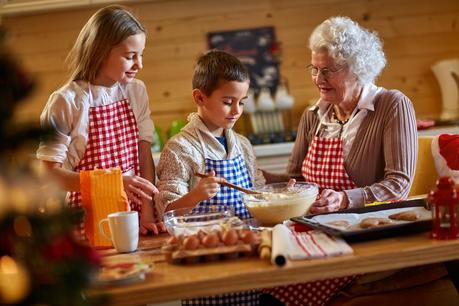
[434, 131]
[270, 157]
[275, 149]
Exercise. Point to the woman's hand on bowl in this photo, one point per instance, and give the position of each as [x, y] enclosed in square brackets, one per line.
[329, 201]
[291, 183]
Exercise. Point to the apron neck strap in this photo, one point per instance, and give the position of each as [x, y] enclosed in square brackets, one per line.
[123, 93]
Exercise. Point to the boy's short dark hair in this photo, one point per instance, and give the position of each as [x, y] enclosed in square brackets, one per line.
[215, 66]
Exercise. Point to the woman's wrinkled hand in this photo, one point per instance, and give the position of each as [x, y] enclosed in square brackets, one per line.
[137, 189]
[207, 187]
[329, 201]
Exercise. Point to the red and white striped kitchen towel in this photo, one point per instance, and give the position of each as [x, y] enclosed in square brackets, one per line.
[293, 245]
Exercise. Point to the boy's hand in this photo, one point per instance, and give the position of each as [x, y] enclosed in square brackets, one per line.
[207, 187]
[151, 227]
[138, 189]
[147, 220]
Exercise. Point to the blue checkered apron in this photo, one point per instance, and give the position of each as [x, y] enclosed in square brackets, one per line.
[235, 171]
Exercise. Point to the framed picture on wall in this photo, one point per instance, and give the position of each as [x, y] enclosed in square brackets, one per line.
[254, 47]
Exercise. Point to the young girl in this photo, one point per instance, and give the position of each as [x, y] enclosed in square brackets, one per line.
[102, 116]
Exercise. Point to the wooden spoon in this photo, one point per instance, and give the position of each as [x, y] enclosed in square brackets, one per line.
[230, 185]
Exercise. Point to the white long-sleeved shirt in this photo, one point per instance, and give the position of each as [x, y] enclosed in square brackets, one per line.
[67, 112]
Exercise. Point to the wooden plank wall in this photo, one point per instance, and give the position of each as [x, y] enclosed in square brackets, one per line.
[416, 34]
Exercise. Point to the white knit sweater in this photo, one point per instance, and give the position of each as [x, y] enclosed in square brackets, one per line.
[183, 156]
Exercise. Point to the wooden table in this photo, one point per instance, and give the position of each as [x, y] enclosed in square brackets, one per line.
[172, 282]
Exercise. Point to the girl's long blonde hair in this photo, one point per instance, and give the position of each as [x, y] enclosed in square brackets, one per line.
[105, 29]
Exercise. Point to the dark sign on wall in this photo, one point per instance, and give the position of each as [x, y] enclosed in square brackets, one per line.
[253, 47]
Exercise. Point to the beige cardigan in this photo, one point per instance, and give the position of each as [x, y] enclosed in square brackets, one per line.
[383, 155]
[183, 155]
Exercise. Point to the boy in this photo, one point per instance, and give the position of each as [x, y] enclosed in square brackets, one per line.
[207, 144]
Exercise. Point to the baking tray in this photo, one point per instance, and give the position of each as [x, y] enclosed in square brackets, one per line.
[376, 232]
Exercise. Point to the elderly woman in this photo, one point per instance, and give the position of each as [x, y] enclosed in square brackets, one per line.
[358, 142]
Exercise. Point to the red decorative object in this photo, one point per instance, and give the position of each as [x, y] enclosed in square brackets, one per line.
[444, 201]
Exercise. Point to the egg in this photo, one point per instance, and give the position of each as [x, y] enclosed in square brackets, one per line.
[172, 240]
[248, 236]
[191, 242]
[201, 234]
[210, 240]
[230, 237]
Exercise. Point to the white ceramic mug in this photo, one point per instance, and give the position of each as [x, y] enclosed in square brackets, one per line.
[124, 230]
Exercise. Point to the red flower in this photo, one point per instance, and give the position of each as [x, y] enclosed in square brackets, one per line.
[89, 253]
[65, 247]
[59, 249]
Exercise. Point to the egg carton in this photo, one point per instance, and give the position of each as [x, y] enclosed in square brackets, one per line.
[178, 255]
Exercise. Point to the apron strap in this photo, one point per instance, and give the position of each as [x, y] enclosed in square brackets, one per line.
[201, 141]
[123, 93]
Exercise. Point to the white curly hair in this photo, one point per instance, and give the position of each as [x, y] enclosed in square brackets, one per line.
[350, 44]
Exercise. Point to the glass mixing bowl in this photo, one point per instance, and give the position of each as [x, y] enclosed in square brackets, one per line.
[184, 221]
[278, 202]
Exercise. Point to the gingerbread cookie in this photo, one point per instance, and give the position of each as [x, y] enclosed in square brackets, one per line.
[339, 223]
[409, 215]
[374, 222]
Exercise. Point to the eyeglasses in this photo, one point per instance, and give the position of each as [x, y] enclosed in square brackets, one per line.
[326, 72]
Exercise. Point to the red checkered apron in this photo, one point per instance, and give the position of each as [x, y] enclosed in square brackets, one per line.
[324, 165]
[112, 142]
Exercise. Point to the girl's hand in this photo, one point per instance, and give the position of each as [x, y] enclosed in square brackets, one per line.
[207, 187]
[328, 201]
[138, 189]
